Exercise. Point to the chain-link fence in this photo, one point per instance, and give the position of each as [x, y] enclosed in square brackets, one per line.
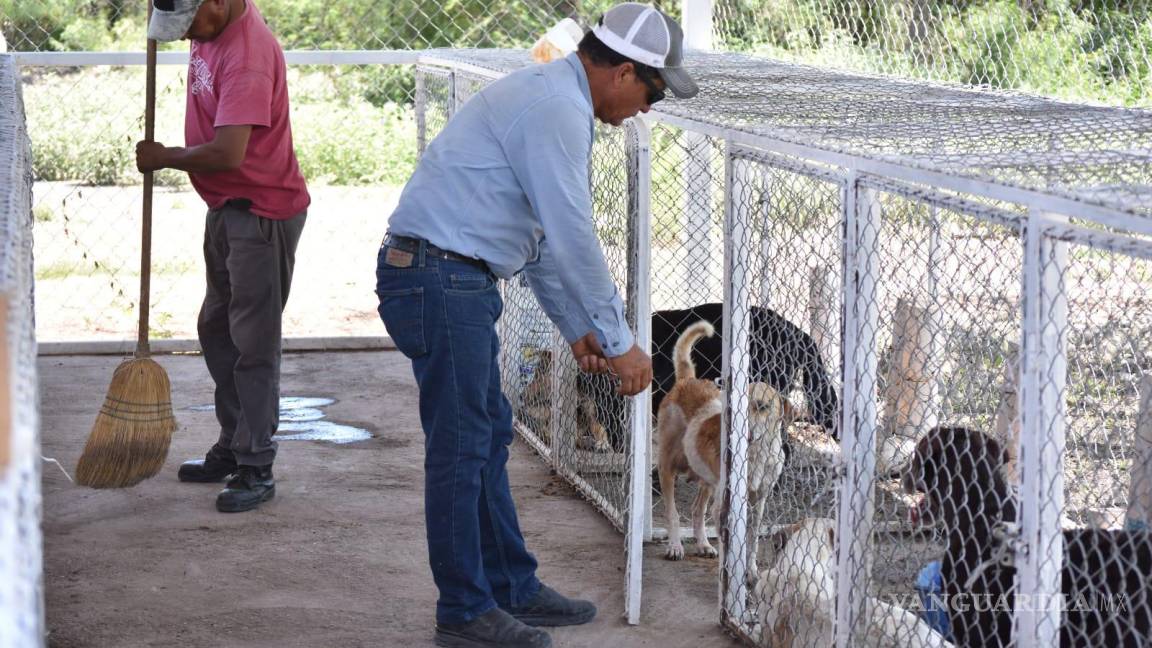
[21, 586]
[1088, 50]
[355, 151]
[930, 412]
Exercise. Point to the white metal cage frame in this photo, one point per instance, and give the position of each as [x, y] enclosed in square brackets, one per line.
[21, 585]
[956, 209]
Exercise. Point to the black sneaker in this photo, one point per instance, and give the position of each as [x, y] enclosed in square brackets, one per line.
[549, 608]
[216, 466]
[248, 488]
[493, 629]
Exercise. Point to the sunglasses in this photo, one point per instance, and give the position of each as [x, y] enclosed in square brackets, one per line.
[654, 94]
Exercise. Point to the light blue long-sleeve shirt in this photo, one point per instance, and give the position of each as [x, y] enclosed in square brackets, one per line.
[507, 181]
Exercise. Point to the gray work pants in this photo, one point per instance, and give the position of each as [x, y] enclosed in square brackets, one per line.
[249, 260]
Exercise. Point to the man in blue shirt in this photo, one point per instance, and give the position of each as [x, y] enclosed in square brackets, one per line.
[504, 189]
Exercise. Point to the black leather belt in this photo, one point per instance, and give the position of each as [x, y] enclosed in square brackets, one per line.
[409, 244]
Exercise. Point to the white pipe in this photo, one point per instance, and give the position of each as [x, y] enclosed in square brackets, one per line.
[696, 21]
[734, 432]
[640, 509]
[858, 429]
[1044, 371]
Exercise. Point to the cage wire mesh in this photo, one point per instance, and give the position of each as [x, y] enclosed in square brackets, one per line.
[21, 587]
[687, 286]
[781, 390]
[1098, 438]
[1094, 156]
[1095, 50]
[784, 399]
[946, 324]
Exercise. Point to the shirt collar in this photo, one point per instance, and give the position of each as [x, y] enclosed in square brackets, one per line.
[581, 74]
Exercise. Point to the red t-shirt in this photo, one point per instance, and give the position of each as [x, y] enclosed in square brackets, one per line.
[238, 79]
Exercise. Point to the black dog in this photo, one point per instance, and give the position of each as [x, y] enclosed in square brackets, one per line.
[781, 355]
[1106, 577]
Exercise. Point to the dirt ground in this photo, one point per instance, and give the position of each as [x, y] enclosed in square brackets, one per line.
[338, 558]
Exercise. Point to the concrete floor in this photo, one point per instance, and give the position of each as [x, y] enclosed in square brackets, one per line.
[338, 558]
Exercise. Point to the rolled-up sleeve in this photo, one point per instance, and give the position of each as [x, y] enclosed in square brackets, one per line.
[549, 149]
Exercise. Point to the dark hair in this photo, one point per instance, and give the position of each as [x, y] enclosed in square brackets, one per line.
[602, 55]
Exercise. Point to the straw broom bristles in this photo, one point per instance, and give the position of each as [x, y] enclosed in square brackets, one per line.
[130, 438]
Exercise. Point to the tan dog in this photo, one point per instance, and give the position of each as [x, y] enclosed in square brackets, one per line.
[689, 428]
[537, 407]
[796, 597]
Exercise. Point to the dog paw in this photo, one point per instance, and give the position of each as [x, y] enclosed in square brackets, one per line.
[674, 552]
[706, 551]
[603, 447]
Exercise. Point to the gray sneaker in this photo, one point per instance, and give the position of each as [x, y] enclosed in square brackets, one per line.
[550, 608]
[493, 629]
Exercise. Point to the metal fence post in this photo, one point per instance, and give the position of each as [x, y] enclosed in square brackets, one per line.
[858, 429]
[734, 432]
[696, 18]
[640, 235]
[1043, 376]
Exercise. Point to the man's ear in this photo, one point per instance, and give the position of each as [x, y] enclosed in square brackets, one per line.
[623, 72]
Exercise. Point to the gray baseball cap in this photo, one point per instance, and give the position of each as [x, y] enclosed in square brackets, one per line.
[647, 35]
[172, 18]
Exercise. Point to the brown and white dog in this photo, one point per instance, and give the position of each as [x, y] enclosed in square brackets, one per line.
[689, 428]
[796, 596]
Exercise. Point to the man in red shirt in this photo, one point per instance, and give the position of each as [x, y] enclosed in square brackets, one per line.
[238, 153]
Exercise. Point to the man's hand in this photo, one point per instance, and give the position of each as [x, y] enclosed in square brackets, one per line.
[151, 156]
[589, 355]
[634, 369]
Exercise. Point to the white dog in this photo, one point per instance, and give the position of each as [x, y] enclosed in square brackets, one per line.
[797, 594]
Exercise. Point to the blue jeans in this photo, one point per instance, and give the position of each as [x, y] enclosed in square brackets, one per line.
[442, 315]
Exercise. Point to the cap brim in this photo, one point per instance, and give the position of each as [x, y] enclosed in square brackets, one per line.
[679, 82]
[171, 25]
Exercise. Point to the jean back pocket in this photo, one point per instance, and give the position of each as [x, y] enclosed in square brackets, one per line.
[403, 314]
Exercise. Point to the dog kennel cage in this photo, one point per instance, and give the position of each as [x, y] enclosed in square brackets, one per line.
[958, 257]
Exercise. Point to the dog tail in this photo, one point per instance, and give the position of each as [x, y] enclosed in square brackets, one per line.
[685, 370]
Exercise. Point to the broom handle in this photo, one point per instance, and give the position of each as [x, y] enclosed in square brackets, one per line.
[142, 350]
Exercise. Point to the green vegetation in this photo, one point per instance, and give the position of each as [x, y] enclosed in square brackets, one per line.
[1094, 50]
[84, 125]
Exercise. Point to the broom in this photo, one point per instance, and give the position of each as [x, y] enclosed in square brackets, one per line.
[129, 440]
